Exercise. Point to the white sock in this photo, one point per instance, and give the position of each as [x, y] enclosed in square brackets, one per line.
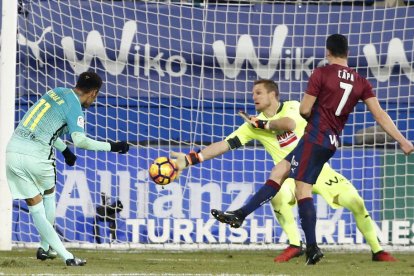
[49, 202]
[47, 232]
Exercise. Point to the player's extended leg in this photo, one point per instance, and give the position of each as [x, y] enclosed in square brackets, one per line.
[49, 202]
[282, 205]
[351, 200]
[47, 232]
[264, 194]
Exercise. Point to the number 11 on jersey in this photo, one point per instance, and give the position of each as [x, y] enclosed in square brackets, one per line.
[39, 116]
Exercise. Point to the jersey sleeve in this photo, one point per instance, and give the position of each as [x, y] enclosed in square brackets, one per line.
[243, 134]
[59, 144]
[80, 140]
[314, 83]
[368, 91]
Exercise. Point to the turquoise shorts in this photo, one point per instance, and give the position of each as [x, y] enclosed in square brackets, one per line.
[29, 176]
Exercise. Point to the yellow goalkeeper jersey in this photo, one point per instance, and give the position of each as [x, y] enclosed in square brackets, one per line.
[277, 143]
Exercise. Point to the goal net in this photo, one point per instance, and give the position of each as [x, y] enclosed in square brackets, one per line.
[175, 76]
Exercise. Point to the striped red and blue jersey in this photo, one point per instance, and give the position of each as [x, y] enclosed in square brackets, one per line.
[338, 89]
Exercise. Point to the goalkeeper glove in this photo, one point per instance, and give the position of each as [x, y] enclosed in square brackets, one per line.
[120, 147]
[183, 160]
[70, 158]
[253, 121]
[193, 158]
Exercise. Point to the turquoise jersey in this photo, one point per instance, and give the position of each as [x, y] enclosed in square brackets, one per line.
[56, 113]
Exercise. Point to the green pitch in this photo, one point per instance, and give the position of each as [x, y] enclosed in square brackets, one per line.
[202, 262]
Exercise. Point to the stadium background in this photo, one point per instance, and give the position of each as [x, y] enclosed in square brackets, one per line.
[143, 79]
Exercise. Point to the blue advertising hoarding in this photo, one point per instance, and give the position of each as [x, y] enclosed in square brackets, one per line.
[214, 184]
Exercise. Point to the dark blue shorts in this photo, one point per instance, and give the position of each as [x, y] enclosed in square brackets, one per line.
[307, 160]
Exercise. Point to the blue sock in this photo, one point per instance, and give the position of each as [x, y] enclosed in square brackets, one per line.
[307, 214]
[266, 193]
[49, 201]
[47, 232]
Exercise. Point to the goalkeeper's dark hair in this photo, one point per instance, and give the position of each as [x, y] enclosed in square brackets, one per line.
[89, 81]
[269, 85]
[337, 44]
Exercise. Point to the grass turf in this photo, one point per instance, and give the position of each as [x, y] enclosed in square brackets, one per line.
[23, 261]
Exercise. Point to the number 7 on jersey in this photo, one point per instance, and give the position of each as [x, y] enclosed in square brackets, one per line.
[347, 91]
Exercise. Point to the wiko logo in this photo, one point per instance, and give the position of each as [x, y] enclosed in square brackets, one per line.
[95, 48]
[295, 64]
[246, 51]
[395, 55]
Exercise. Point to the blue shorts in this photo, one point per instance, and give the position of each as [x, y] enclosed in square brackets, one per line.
[307, 160]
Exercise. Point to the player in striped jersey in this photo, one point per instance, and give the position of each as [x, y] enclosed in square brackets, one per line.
[278, 127]
[30, 161]
[331, 95]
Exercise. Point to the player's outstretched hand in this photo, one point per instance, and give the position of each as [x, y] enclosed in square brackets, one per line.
[256, 123]
[407, 147]
[70, 158]
[180, 161]
[120, 147]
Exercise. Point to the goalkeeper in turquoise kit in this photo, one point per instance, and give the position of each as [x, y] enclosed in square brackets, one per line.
[30, 161]
[279, 127]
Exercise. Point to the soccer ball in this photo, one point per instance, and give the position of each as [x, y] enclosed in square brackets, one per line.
[163, 171]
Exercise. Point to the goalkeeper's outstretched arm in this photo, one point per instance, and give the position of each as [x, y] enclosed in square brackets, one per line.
[183, 160]
[214, 150]
[238, 138]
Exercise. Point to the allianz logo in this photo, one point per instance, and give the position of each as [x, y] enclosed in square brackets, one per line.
[147, 58]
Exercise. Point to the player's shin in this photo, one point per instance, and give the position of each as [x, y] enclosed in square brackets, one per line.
[284, 215]
[47, 232]
[49, 203]
[353, 202]
[307, 214]
[266, 193]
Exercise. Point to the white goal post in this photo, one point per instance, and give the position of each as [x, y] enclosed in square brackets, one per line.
[175, 76]
[7, 101]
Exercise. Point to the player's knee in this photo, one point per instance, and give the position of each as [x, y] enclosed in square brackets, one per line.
[283, 198]
[280, 172]
[51, 190]
[277, 202]
[356, 204]
[33, 201]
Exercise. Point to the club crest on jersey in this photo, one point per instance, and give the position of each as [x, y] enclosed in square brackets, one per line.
[81, 122]
[294, 164]
[286, 138]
